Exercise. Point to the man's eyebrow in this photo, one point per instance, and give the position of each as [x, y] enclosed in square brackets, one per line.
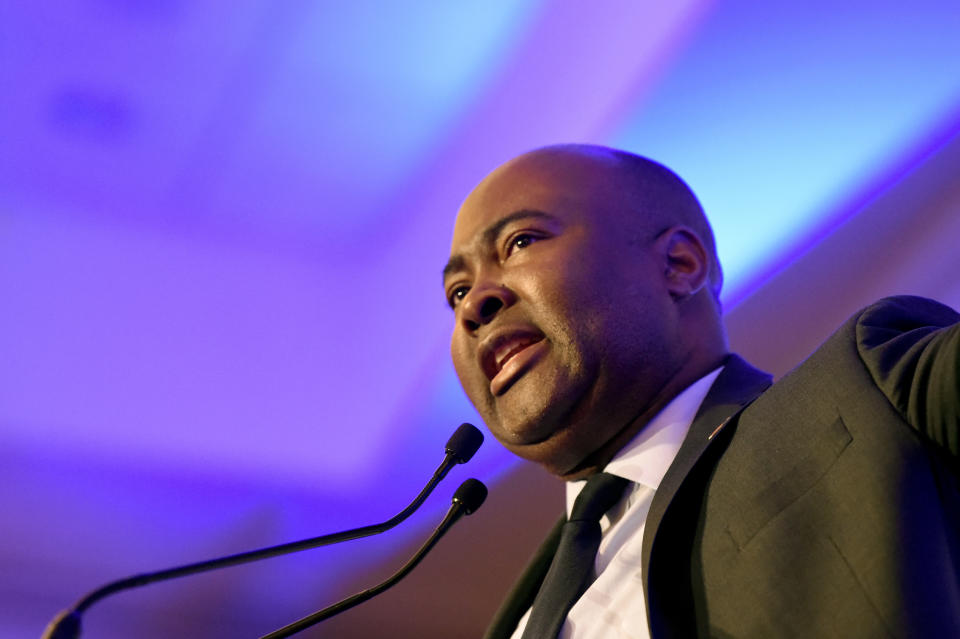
[454, 264]
[489, 234]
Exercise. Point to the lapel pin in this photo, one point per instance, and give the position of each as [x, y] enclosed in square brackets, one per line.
[718, 428]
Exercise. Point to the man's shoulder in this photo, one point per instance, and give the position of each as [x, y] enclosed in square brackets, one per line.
[898, 328]
[903, 313]
[904, 349]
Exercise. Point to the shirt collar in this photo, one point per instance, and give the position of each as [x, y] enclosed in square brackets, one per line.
[646, 458]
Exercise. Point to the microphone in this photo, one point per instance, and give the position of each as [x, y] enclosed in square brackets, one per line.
[462, 445]
[468, 498]
[460, 449]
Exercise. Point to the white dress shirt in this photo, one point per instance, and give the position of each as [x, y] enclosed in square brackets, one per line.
[613, 606]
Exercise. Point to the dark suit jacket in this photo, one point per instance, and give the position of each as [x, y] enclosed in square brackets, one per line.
[828, 507]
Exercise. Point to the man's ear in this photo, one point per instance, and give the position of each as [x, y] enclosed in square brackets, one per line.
[686, 262]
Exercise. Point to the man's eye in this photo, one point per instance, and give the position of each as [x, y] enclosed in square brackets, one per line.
[457, 295]
[521, 241]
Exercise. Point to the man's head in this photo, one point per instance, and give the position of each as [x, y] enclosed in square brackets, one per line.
[584, 284]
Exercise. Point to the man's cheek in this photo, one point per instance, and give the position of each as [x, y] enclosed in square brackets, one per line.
[471, 380]
[457, 355]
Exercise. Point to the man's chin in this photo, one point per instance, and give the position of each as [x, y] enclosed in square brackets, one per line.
[525, 423]
[518, 438]
[550, 448]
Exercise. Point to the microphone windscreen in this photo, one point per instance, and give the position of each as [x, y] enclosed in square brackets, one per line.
[471, 494]
[464, 442]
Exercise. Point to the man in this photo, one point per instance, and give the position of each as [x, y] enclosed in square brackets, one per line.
[588, 334]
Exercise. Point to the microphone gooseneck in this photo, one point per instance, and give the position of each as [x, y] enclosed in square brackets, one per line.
[459, 449]
[468, 498]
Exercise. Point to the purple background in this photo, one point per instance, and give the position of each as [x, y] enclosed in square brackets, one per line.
[222, 226]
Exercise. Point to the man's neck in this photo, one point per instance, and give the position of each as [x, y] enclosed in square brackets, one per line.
[598, 460]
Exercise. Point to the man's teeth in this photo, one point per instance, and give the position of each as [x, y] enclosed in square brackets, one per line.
[510, 352]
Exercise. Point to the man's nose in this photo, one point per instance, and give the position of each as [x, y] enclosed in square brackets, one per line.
[482, 303]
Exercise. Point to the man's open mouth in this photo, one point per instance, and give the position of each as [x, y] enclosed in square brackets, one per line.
[504, 356]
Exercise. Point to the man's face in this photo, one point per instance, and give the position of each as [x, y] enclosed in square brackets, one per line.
[563, 322]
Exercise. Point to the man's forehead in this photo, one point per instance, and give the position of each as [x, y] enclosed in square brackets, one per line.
[544, 181]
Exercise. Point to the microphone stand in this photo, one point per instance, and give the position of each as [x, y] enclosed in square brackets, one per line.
[460, 448]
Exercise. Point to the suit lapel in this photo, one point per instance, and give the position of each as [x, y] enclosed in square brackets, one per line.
[737, 385]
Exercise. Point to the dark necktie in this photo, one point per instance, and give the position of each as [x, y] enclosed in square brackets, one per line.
[572, 565]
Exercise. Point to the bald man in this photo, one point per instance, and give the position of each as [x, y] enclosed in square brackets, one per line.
[588, 334]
